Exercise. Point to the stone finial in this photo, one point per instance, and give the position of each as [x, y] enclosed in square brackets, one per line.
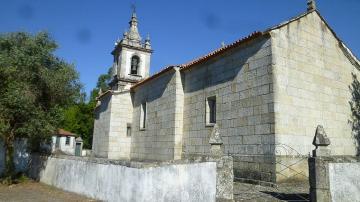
[321, 141]
[215, 138]
[133, 33]
[223, 44]
[79, 139]
[216, 149]
[311, 5]
[125, 35]
[147, 42]
[320, 138]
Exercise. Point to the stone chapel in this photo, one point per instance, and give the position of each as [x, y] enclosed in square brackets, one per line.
[266, 92]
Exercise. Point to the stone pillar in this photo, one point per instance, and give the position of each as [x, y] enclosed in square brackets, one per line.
[224, 167]
[318, 167]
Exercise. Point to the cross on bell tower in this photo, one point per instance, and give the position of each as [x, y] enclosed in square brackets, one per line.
[131, 56]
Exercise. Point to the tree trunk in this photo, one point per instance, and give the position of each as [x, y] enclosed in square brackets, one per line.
[9, 161]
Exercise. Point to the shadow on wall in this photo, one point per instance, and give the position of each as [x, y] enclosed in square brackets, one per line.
[153, 90]
[36, 165]
[223, 68]
[23, 159]
[102, 108]
[20, 157]
[355, 110]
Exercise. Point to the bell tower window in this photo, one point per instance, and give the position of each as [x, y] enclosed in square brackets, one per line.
[135, 61]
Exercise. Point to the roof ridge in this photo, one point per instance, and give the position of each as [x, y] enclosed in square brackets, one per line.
[284, 23]
[222, 49]
[161, 71]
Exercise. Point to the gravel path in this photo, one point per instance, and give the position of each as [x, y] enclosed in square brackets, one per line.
[34, 191]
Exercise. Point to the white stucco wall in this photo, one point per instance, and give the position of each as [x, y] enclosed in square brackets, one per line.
[68, 149]
[185, 182]
[344, 182]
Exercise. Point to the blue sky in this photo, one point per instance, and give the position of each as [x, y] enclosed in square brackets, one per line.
[180, 30]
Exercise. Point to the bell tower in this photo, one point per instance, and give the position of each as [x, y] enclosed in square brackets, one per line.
[131, 57]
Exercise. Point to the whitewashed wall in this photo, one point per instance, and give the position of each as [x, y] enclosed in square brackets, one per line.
[183, 182]
[344, 181]
[68, 149]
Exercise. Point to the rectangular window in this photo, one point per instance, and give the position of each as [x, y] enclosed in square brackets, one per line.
[67, 141]
[143, 116]
[128, 130]
[211, 110]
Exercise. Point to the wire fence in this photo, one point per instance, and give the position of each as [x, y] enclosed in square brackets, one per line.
[258, 190]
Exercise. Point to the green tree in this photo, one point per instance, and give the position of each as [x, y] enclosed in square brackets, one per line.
[36, 86]
[79, 118]
[103, 84]
[355, 109]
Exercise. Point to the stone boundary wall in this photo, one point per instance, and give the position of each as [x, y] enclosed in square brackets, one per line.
[334, 178]
[109, 180]
[344, 181]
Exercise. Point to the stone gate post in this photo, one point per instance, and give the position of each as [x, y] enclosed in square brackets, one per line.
[318, 167]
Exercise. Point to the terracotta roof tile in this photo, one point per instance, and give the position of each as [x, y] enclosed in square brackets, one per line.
[62, 132]
[162, 71]
[221, 50]
[200, 59]
[250, 37]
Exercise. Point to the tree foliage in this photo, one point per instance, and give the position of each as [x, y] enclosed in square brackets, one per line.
[79, 118]
[355, 109]
[36, 86]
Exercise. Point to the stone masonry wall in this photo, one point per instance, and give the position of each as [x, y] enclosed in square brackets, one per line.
[100, 145]
[241, 80]
[311, 84]
[121, 116]
[161, 139]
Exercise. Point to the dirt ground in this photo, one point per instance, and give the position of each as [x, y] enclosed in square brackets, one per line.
[284, 192]
[34, 191]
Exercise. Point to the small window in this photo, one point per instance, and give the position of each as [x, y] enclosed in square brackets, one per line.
[67, 141]
[128, 130]
[143, 116]
[135, 61]
[211, 110]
